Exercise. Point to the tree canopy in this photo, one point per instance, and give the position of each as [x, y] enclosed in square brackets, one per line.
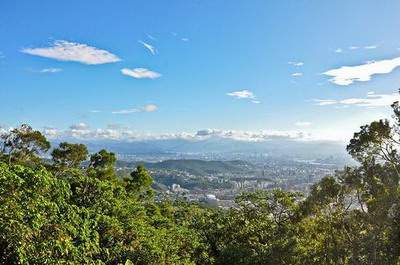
[64, 211]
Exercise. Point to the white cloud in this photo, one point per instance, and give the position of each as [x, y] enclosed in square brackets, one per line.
[145, 108]
[297, 74]
[354, 48]
[150, 37]
[151, 48]
[150, 108]
[346, 75]
[50, 70]
[95, 111]
[79, 126]
[296, 63]
[244, 94]
[140, 73]
[70, 51]
[370, 47]
[325, 102]
[338, 50]
[248, 135]
[371, 100]
[126, 134]
[303, 124]
[125, 111]
[185, 39]
[51, 132]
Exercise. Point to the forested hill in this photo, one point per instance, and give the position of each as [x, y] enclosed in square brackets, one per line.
[197, 167]
[60, 212]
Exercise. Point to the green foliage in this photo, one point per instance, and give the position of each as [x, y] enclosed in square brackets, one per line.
[102, 165]
[64, 214]
[24, 145]
[140, 182]
[69, 155]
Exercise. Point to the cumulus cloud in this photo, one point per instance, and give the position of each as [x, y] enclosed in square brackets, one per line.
[150, 108]
[76, 52]
[251, 136]
[79, 126]
[296, 63]
[50, 70]
[346, 75]
[51, 132]
[149, 47]
[145, 108]
[339, 50]
[303, 124]
[185, 39]
[371, 100]
[125, 134]
[119, 132]
[354, 48]
[140, 73]
[244, 94]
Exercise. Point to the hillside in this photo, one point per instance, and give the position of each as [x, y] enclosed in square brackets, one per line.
[198, 167]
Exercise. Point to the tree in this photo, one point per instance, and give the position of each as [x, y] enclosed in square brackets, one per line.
[102, 165]
[24, 145]
[140, 182]
[140, 179]
[69, 155]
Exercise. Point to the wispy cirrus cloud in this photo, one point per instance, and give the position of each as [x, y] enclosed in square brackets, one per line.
[303, 124]
[50, 70]
[244, 94]
[347, 75]
[140, 73]
[371, 100]
[354, 47]
[151, 37]
[297, 74]
[149, 47]
[296, 63]
[370, 47]
[145, 108]
[76, 52]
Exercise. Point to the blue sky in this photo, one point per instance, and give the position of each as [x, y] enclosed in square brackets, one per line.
[130, 68]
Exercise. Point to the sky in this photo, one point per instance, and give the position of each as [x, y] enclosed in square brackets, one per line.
[312, 70]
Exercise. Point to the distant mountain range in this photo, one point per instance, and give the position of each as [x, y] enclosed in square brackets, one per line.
[275, 147]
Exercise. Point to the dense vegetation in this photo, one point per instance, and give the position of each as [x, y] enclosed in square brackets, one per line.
[59, 212]
[199, 167]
